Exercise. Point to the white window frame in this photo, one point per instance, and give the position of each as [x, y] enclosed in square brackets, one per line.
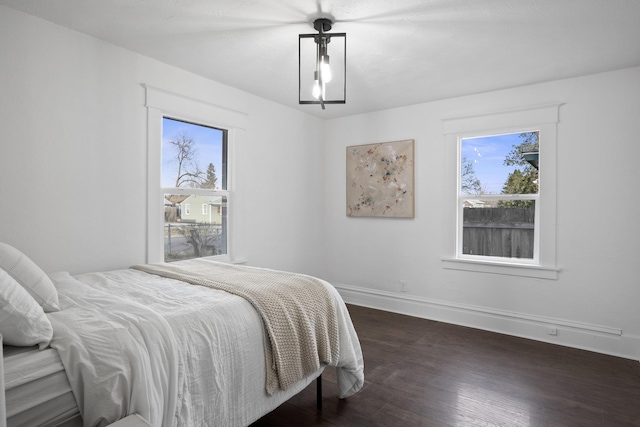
[205, 209]
[187, 208]
[543, 119]
[161, 103]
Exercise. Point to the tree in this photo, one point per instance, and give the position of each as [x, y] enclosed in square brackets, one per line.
[205, 238]
[212, 179]
[470, 184]
[188, 172]
[523, 181]
[515, 155]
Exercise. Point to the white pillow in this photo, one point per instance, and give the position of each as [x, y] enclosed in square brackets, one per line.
[22, 320]
[30, 276]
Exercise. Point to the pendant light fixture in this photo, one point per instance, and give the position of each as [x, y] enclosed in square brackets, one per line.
[322, 78]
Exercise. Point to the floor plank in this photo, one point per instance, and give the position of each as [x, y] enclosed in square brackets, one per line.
[424, 373]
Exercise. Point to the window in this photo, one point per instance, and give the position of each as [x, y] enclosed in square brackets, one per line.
[194, 172]
[168, 192]
[501, 198]
[498, 196]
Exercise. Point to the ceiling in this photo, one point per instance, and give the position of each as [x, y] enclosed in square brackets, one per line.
[399, 52]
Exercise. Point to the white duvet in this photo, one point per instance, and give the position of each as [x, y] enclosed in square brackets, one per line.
[175, 353]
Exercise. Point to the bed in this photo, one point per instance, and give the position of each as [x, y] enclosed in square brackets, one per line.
[174, 347]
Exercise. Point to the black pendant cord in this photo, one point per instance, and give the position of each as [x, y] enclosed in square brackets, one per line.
[318, 65]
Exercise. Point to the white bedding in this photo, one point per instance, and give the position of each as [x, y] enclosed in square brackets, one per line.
[177, 354]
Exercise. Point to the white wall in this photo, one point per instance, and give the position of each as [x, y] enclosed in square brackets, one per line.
[597, 291]
[73, 153]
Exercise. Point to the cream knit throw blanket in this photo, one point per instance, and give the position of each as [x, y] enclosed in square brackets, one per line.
[298, 313]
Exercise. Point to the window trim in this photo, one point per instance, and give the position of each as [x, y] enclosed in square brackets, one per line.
[544, 119]
[162, 103]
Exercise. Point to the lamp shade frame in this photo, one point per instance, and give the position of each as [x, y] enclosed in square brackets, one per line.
[333, 38]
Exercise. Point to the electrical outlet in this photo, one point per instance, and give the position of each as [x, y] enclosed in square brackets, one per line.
[403, 286]
[552, 330]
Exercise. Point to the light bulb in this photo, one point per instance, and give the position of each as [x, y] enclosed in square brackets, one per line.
[325, 69]
[316, 91]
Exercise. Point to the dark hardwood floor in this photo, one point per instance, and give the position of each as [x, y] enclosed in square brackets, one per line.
[424, 373]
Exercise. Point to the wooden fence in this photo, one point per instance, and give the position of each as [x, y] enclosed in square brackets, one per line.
[500, 232]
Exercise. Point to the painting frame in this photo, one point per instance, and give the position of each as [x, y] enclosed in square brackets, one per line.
[381, 180]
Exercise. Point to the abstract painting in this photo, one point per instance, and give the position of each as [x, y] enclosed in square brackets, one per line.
[380, 180]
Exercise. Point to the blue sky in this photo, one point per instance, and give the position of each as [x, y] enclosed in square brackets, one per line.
[208, 146]
[487, 155]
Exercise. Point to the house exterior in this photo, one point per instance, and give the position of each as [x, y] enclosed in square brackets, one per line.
[472, 203]
[201, 209]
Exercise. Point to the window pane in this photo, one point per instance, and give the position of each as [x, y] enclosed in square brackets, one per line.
[500, 164]
[193, 156]
[498, 228]
[194, 234]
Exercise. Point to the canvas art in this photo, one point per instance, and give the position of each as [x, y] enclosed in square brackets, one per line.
[380, 180]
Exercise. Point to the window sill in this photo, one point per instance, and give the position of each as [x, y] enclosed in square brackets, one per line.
[522, 270]
[227, 259]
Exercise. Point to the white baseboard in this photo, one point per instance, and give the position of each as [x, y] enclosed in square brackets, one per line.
[600, 339]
